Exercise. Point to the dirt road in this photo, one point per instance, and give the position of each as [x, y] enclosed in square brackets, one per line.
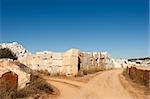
[103, 86]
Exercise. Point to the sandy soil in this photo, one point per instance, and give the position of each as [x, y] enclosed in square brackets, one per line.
[105, 85]
[135, 89]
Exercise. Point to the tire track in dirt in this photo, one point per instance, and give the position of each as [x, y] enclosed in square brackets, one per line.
[67, 90]
[65, 82]
[105, 85]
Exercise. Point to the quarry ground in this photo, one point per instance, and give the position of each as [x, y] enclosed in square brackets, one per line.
[102, 85]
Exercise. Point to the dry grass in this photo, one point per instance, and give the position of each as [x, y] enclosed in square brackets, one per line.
[138, 75]
[138, 90]
[124, 73]
[6, 90]
[45, 72]
[92, 70]
[37, 86]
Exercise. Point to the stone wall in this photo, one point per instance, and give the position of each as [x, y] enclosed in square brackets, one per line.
[139, 74]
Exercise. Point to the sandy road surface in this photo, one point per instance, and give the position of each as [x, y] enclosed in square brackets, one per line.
[103, 86]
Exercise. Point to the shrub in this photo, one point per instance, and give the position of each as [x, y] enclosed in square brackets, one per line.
[7, 53]
[80, 73]
[36, 86]
[45, 72]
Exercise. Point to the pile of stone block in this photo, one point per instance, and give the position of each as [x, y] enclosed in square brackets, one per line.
[64, 63]
[57, 68]
[70, 62]
[56, 63]
[95, 61]
[39, 61]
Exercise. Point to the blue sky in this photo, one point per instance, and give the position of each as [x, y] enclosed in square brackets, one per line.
[117, 26]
